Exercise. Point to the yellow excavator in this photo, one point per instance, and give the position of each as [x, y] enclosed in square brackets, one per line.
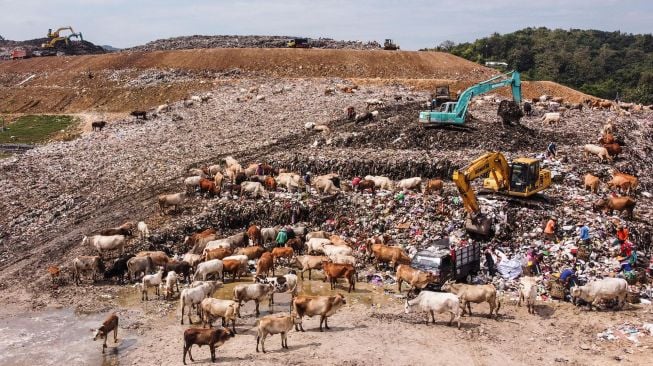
[521, 178]
[56, 37]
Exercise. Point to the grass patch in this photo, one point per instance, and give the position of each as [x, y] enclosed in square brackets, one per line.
[35, 129]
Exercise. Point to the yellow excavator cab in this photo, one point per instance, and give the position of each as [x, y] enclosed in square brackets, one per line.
[521, 178]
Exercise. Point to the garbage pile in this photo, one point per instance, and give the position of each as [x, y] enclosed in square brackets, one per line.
[232, 41]
[73, 47]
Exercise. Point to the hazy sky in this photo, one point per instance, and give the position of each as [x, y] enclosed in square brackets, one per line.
[412, 24]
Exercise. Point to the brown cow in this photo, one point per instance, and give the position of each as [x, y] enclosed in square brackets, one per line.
[296, 244]
[415, 278]
[231, 266]
[324, 306]
[607, 138]
[631, 178]
[217, 253]
[159, 258]
[251, 252]
[264, 264]
[110, 324]
[366, 184]
[333, 271]
[620, 204]
[208, 186]
[592, 183]
[387, 254]
[282, 253]
[213, 337]
[621, 183]
[270, 184]
[434, 185]
[613, 149]
[254, 234]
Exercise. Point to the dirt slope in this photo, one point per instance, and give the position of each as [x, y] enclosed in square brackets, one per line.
[126, 81]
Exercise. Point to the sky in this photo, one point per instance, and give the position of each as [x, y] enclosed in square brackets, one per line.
[412, 24]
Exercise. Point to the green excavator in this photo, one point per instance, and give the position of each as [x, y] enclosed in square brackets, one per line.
[454, 113]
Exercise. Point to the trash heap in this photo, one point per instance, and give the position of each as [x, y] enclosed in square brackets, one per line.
[232, 41]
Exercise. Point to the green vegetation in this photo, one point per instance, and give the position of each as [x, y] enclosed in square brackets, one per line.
[604, 64]
[35, 129]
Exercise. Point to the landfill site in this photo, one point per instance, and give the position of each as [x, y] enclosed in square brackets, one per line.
[264, 156]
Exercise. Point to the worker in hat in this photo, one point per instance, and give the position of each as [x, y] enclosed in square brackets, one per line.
[550, 229]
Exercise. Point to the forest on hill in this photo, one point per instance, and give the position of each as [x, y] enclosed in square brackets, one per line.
[605, 64]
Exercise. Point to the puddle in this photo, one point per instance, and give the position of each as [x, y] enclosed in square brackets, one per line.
[57, 337]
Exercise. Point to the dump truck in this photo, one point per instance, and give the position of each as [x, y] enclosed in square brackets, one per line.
[390, 45]
[298, 43]
[438, 259]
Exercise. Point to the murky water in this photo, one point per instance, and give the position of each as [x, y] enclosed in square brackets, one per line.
[57, 337]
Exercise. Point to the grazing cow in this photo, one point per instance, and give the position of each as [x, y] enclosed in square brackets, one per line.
[212, 337]
[119, 268]
[607, 138]
[621, 183]
[253, 189]
[139, 114]
[192, 183]
[433, 185]
[265, 264]
[592, 183]
[435, 302]
[269, 234]
[208, 186]
[474, 294]
[98, 125]
[110, 324]
[194, 295]
[308, 263]
[381, 182]
[620, 204]
[366, 184]
[415, 278]
[613, 149]
[333, 271]
[324, 306]
[204, 269]
[86, 263]
[217, 253]
[175, 200]
[282, 252]
[254, 252]
[317, 235]
[104, 243]
[632, 179]
[136, 265]
[296, 245]
[275, 324]
[285, 283]
[231, 266]
[599, 151]
[599, 290]
[182, 268]
[216, 308]
[270, 184]
[159, 258]
[316, 245]
[387, 254]
[254, 291]
[413, 183]
[153, 280]
[254, 234]
[171, 281]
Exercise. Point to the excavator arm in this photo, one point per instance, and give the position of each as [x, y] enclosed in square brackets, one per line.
[492, 162]
[55, 34]
[457, 116]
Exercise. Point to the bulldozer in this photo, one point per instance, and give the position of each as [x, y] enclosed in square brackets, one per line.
[390, 45]
[522, 178]
[298, 43]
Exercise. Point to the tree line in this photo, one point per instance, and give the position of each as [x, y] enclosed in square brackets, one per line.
[608, 65]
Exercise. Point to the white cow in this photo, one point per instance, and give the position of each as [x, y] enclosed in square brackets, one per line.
[599, 290]
[435, 302]
[104, 243]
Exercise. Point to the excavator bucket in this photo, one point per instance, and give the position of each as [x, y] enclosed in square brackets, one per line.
[480, 225]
